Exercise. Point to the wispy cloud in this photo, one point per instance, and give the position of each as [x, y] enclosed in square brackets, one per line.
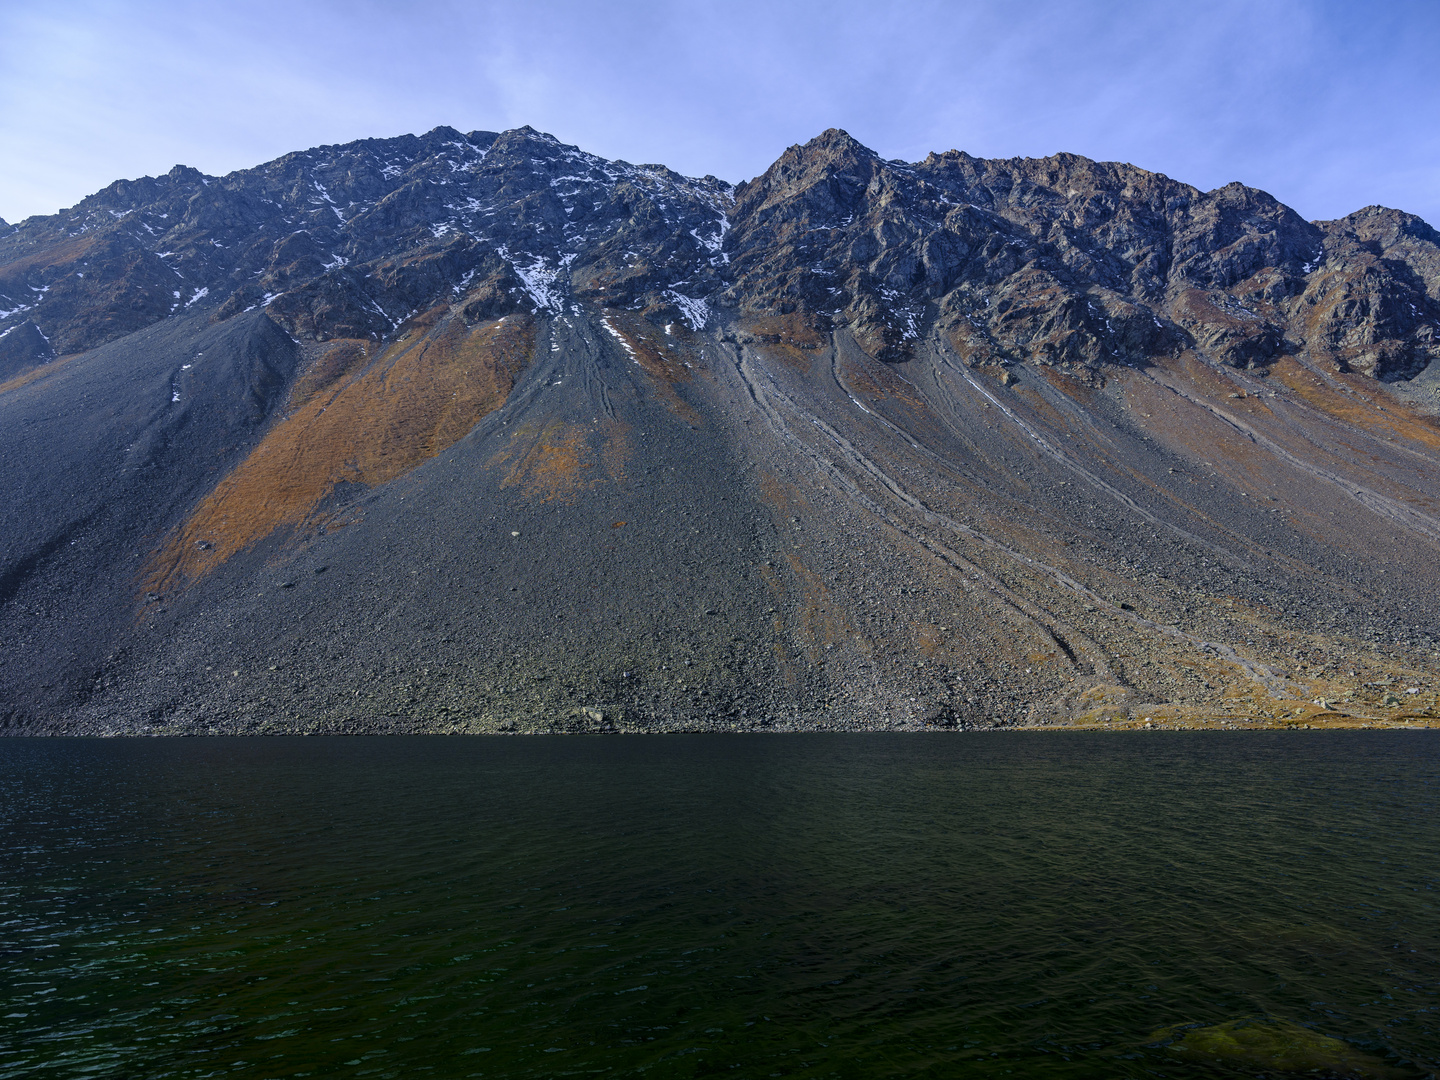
[1326, 105]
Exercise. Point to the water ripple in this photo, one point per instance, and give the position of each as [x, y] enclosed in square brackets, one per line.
[816, 906]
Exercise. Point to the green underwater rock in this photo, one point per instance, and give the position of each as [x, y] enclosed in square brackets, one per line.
[1274, 1046]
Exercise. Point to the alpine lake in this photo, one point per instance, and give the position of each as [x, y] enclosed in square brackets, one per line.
[1088, 904]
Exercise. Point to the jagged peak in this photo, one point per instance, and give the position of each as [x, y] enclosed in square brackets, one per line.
[527, 136]
[832, 148]
[1068, 174]
[179, 173]
[833, 155]
[135, 193]
[436, 139]
[935, 158]
[1255, 202]
[1372, 222]
[1236, 193]
[528, 132]
[1375, 212]
[1236, 190]
[839, 140]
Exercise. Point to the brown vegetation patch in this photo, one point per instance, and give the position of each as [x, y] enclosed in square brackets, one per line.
[816, 621]
[1209, 381]
[786, 663]
[555, 464]
[822, 622]
[340, 359]
[784, 497]
[55, 255]
[35, 373]
[1352, 399]
[1040, 408]
[1198, 434]
[559, 459]
[1066, 382]
[793, 330]
[615, 448]
[876, 380]
[789, 338]
[666, 370]
[421, 395]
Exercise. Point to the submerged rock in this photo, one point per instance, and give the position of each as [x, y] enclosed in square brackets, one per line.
[1276, 1046]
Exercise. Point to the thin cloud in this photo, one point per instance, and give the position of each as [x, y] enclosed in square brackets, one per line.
[1326, 105]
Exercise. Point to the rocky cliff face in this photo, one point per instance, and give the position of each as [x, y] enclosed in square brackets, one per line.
[479, 431]
[1073, 262]
[349, 241]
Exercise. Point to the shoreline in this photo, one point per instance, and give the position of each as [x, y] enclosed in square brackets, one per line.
[363, 730]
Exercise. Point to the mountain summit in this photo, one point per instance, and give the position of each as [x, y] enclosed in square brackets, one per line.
[478, 431]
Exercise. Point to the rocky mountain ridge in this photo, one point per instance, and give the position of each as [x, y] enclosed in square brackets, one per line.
[1057, 260]
[350, 241]
[207, 380]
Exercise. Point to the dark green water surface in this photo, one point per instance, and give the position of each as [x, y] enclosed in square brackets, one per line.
[747, 906]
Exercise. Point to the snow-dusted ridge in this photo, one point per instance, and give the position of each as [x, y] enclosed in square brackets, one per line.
[353, 215]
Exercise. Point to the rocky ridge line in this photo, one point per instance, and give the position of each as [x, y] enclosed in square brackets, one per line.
[1055, 261]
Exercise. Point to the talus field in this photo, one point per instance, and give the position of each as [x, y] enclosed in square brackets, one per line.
[480, 432]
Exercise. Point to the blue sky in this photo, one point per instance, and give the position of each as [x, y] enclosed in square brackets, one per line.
[1329, 106]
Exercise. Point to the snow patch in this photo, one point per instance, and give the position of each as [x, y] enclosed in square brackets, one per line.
[375, 306]
[910, 315]
[324, 194]
[618, 336]
[540, 280]
[696, 313]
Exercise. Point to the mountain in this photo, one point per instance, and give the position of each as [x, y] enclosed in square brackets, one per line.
[476, 432]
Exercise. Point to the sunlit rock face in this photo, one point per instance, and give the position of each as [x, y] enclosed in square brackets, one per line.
[479, 432]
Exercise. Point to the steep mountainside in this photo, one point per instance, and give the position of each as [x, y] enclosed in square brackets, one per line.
[472, 432]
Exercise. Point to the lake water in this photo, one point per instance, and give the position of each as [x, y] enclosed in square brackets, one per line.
[748, 906]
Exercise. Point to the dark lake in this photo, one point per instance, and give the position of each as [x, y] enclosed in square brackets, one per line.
[1166, 904]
